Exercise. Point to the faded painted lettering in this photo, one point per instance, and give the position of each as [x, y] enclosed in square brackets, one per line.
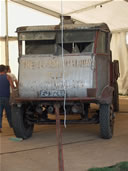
[54, 63]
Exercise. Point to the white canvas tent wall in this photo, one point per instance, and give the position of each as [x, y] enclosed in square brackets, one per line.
[112, 12]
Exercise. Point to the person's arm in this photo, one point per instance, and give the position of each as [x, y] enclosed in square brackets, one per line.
[16, 83]
[14, 80]
[11, 82]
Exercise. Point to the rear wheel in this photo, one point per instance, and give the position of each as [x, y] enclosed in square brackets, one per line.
[106, 121]
[21, 127]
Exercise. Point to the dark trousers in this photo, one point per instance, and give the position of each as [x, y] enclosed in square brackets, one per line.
[4, 104]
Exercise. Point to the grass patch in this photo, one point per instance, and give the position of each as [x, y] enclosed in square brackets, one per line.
[122, 166]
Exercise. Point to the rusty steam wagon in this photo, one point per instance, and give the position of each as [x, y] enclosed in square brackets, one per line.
[78, 69]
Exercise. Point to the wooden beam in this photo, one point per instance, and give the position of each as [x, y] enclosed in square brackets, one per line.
[10, 38]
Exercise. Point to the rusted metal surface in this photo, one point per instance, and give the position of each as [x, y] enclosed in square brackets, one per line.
[53, 122]
[91, 92]
[41, 69]
[103, 73]
[55, 99]
[116, 70]
[42, 76]
[69, 36]
[37, 36]
[86, 62]
[99, 26]
[106, 95]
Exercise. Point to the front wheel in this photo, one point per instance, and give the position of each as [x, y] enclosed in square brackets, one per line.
[106, 121]
[21, 127]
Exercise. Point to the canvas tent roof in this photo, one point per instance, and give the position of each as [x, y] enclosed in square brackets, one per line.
[112, 12]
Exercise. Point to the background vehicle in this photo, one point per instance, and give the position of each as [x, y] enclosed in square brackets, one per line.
[85, 69]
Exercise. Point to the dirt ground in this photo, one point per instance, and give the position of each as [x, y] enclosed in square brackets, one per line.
[82, 146]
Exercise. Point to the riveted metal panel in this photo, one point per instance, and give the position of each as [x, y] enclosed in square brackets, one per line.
[37, 36]
[103, 72]
[76, 36]
[43, 73]
[92, 26]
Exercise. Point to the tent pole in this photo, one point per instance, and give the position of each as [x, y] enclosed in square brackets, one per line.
[6, 36]
[59, 138]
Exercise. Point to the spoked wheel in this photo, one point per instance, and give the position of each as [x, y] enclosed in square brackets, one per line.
[106, 120]
[21, 127]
